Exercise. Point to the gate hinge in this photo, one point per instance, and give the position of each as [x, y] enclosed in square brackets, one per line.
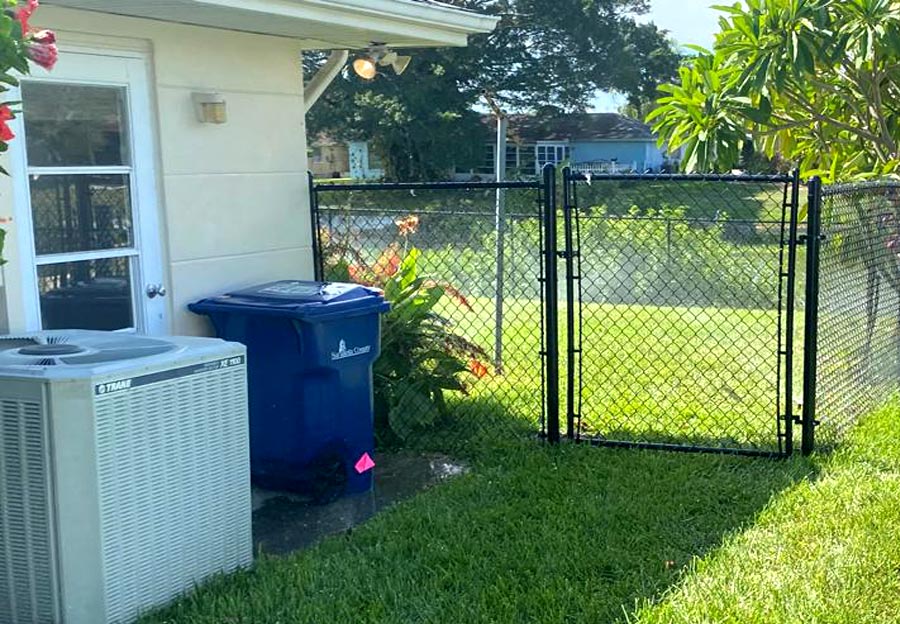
[803, 239]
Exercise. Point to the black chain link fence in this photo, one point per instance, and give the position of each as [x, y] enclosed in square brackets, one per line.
[858, 360]
[681, 298]
[461, 358]
[682, 283]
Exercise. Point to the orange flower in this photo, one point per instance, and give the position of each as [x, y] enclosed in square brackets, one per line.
[388, 263]
[408, 225]
[478, 369]
[457, 296]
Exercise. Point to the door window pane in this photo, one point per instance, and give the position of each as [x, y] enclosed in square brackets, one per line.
[93, 294]
[75, 125]
[74, 213]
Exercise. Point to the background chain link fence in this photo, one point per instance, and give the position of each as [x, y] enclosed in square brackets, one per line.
[682, 285]
[858, 359]
[366, 233]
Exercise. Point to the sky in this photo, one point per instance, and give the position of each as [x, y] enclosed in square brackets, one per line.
[688, 21]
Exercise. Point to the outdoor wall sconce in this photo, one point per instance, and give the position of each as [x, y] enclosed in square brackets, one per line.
[210, 108]
[366, 67]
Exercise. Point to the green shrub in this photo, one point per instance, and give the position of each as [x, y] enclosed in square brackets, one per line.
[422, 356]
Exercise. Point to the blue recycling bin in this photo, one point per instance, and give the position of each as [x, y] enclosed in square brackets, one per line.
[310, 350]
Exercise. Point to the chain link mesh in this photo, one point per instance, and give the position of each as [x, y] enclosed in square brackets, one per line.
[858, 360]
[681, 289]
[366, 234]
[680, 332]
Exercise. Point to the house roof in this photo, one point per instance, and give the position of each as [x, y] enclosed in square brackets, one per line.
[319, 24]
[579, 127]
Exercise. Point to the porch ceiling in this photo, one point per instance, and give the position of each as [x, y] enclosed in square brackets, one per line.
[319, 24]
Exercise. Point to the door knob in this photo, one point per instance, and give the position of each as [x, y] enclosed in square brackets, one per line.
[156, 290]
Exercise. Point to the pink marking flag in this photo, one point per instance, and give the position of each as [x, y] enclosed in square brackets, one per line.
[365, 464]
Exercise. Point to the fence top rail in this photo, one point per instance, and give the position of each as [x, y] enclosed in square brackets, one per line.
[392, 212]
[429, 186]
[852, 187]
[577, 176]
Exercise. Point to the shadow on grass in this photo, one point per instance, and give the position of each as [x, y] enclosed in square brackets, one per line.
[478, 426]
[534, 533]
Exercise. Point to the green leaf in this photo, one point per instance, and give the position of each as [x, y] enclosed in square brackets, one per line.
[413, 408]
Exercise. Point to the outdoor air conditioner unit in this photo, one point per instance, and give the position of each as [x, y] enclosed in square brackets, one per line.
[124, 472]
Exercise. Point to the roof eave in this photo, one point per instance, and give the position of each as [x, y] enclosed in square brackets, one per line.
[401, 23]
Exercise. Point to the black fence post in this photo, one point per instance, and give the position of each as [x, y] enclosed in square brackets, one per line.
[551, 293]
[811, 335]
[790, 312]
[570, 252]
[318, 260]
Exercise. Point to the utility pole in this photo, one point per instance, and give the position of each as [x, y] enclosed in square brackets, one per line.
[499, 225]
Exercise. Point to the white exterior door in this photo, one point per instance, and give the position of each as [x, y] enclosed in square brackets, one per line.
[86, 197]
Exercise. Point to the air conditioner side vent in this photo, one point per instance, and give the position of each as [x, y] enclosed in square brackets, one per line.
[27, 574]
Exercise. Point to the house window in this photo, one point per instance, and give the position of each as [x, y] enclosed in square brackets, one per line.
[316, 155]
[551, 154]
[527, 162]
[512, 158]
[375, 160]
[487, 163]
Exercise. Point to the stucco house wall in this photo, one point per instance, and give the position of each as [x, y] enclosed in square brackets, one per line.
[233, 203]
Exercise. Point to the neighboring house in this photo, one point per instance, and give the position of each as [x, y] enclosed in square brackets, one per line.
[329, 158]
[165, 158]
[351, 159]
[590, 142]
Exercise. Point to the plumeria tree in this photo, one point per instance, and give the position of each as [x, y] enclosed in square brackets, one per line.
[815, 81]
[20, 44]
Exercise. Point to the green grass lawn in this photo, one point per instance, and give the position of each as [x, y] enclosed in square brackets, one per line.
[578, 534]
[573, 534]
[694, 375]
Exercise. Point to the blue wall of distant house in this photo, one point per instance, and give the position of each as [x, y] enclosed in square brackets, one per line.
[645, 153]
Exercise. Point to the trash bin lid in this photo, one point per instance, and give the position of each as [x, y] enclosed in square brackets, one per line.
[298, 299]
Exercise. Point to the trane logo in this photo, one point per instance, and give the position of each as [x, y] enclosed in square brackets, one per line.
[343, 352]
[114, 386]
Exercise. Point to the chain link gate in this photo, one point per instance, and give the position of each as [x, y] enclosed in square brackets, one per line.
[680, 311]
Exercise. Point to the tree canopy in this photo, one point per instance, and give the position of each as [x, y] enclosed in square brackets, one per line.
[547, 55]
[816, 81]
